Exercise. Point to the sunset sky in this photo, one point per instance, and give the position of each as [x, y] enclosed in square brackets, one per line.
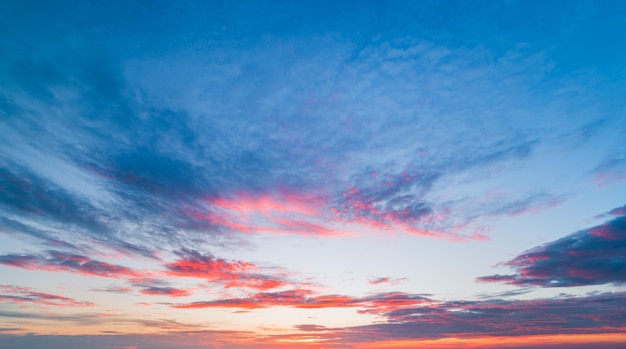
[312, 174]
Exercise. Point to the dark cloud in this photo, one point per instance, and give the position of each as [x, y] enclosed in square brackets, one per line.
[620, 211]
[500, 318]
[410, 316]
[592, 256]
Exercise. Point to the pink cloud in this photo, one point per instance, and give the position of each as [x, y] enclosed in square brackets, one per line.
[280, 212]
[218, 270]
[306, 299]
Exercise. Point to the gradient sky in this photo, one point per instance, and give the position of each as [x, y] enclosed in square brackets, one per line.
[310, 174]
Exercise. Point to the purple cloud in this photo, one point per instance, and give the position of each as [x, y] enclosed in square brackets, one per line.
[592, 256]
[500, 318]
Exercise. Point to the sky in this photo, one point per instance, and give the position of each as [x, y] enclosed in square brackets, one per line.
[312, 174]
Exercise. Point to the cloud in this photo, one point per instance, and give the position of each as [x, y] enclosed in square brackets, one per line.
[27, 193]
[165, 291]
[229, 273]
[305, 299]
[593, 256]
[10, 329]
[187, 339]
[410, 316]
[163, 166]
[388, 201]
[277, 211]
[504, 294]
[499, 318]
[87, 319]
[60, 261]
[33, 201]
[113, 289]
[613, 168]
[14, 294]
[49, 238]
[125, 128]
[386, 280]
[620, 211]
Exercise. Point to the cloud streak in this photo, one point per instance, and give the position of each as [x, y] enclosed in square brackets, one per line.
[66, 262]
[306, 299]
[165, 291]
[24, 295]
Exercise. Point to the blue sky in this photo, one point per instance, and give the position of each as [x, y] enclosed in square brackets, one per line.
[312, 174]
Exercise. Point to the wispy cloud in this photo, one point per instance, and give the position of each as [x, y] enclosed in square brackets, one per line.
[90, 319]
[278, 211]
[60, 261]
[386, 280]
[165, 291]
[286, 174]
[113, 289]
[14, 294]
